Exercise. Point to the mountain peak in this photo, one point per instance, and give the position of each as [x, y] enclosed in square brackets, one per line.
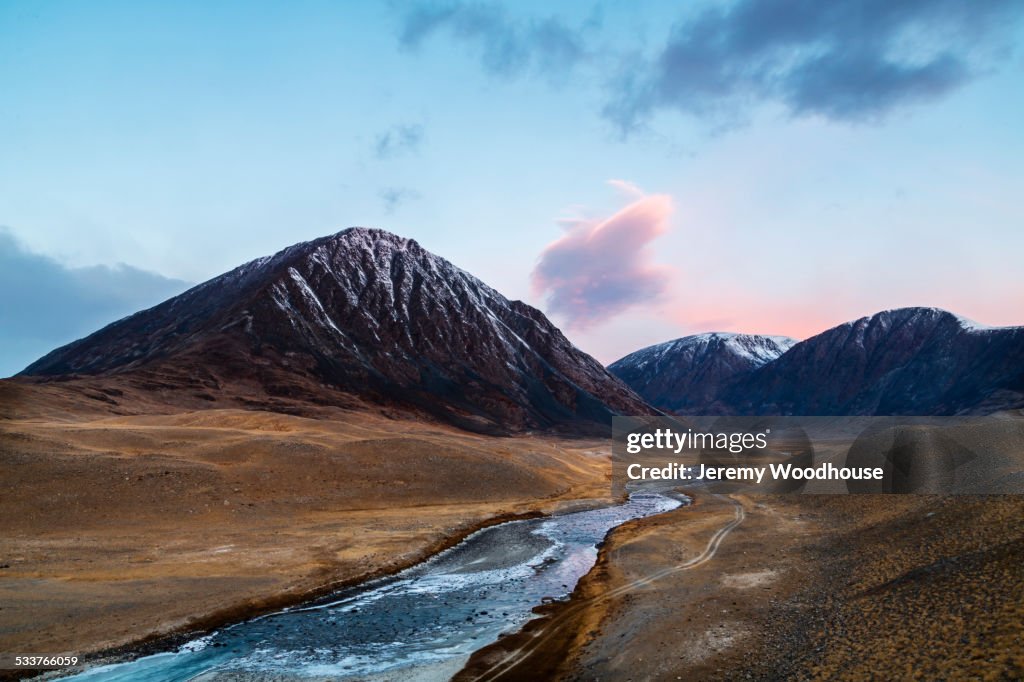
[369, 314]
[685, 375]
[904, 361]
[911, 314]
[926, 315]
[367, 237]
[916, 360]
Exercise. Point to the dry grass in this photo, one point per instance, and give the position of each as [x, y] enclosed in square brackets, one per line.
[115, 528]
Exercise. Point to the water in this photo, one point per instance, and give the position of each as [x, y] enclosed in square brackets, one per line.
[422, 623]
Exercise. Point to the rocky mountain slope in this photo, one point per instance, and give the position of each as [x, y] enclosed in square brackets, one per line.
[687, 375]
[907, 361]
[362, 314]
[904, 361]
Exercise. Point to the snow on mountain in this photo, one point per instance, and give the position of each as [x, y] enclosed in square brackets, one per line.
[686, 376]
[904, 361]
[363, 313]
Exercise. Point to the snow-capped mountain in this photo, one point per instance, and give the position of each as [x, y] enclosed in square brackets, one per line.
[362, 313]
[904, 361]
[686, 376]
[909, 361]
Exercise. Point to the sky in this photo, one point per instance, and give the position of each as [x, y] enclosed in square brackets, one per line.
[639, 171]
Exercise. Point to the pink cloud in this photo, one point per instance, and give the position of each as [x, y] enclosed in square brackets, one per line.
[629, 189]
[601, 268]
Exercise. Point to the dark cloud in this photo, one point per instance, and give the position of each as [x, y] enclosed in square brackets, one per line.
[394, 197]
[845, 60]
[44, 304]
[601, 268]
[506, 47]
[398, 140]
[848, 60]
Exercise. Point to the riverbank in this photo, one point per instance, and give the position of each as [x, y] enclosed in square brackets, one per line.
[806, 587]
[435, 614]
[126, 533]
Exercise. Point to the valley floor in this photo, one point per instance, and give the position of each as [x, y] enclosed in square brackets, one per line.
[119, 529]
[805, 587]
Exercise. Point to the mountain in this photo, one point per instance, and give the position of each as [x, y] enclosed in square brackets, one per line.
[363, 315]
[687, 375]
[909, 361]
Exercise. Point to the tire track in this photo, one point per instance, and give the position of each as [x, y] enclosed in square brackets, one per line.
[511, 660]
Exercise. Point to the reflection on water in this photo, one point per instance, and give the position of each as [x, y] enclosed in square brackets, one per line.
[427, 618]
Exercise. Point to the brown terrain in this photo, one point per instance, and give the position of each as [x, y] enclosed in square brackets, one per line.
[132, 529]
[805, 587]
[119, 529]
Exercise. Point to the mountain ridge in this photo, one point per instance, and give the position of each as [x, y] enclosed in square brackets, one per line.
[370, 314]
[685, 375]
[915, 360]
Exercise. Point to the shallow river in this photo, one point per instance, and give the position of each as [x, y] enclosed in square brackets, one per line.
[419, 624]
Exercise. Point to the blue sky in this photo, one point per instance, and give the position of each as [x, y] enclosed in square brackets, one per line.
[775, 167]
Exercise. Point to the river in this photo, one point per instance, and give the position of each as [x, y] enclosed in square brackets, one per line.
[421, 624]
